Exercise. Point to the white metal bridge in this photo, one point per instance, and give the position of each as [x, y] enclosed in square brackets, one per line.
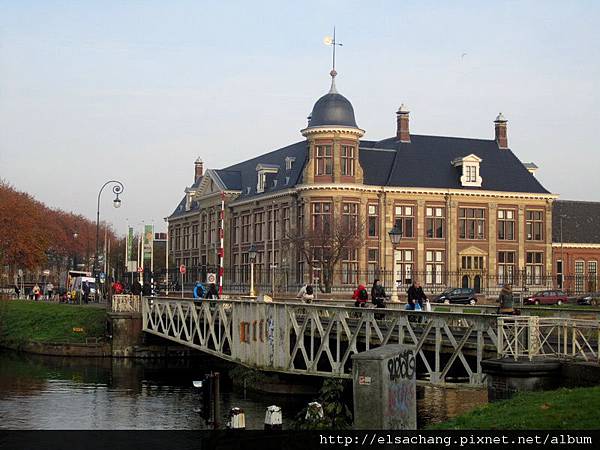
[319, 339]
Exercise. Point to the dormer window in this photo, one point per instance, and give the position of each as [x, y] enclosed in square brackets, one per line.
[289, 162]
[470, 170]
[189, 197]
[263, 171]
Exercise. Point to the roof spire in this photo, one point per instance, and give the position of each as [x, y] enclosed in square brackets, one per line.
[333, 90]
[331, 41]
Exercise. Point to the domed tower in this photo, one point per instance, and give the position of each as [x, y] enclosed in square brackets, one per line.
[333, 138]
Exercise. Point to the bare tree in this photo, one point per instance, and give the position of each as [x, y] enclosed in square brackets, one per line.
[325, 243]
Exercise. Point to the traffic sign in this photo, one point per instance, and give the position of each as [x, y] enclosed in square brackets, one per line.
[182, 269]
[211, 278]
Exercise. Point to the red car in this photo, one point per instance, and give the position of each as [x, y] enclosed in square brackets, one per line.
[547, 298]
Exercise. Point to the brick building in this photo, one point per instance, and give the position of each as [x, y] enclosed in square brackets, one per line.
[576, 245]
[470, 212]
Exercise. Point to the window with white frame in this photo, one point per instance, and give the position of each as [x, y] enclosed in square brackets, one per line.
[534, 268]
[470, 170]
[506, 267]
[471, 223]
[263, 170]
[350, 267]
[373, 221]
[372, 264]
[405, 219]
[559, 274]
[434, 222]
[404, 266]
[506, 225]
[347, 157]
[323, 160]
[434, 267]
[534, 225]
[592, 275]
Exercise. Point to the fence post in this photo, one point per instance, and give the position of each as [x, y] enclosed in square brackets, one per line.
[500, 349]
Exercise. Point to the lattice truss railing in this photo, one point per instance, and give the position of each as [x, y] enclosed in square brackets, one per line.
[204, 326]
[530, 337]
[321, 339]
[450, 346]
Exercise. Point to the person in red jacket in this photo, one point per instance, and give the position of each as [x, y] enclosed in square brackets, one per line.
[117, 287]
[360, 296]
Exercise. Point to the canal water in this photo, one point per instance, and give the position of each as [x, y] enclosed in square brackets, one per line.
[43, 392]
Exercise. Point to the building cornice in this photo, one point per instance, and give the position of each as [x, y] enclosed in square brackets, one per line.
[332, 129]
[426, 191]
[261, 197]
[188, 214]
[575, 245]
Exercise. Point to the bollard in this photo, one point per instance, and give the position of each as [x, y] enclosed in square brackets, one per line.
[273, 420]
[237, 419]
[314, 413]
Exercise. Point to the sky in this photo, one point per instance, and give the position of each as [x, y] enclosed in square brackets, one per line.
[135, 91]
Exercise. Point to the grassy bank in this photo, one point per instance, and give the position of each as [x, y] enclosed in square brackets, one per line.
[561, 409]
[22, 321]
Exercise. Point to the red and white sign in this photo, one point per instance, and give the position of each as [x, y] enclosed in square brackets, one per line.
[211, 278]
[182, 269]
[140, 269]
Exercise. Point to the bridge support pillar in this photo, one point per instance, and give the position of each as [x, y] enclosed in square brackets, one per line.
[126, 333]
[384, 386]
[509, 376]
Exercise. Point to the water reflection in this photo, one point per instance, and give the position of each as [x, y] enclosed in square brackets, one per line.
[38, 392]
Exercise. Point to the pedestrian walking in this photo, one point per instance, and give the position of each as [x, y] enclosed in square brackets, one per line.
[212, 292]
[17, 291]
[378, 294]
[117, 287]
[506, 300]
[86, 292]
[136, 288]
[306, 293]
[416, 296]
[360, 296]
[49, 291]
[36, 292]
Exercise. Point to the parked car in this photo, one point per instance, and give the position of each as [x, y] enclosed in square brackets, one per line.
[461, 296]
[551, 297]
[590, 299]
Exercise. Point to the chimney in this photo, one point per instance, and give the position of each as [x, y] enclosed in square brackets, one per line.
[500, 126]
[402, 132]
[198, 169]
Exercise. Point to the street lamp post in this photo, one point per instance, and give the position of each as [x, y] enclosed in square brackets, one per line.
[75, 236]
[117, 190]
[252, 256]
[395, 236]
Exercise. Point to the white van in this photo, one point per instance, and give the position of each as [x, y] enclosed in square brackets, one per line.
[77, 288]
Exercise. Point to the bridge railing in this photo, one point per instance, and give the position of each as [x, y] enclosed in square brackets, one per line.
[126, 303]
[532, 337]
[317, 339]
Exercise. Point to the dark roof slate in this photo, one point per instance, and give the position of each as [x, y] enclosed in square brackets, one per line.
[180, 208]
[580, 223]
[424, 162]
[247, 175]
[332, 109]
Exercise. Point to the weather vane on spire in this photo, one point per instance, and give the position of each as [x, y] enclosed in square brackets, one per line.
[331, 41]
